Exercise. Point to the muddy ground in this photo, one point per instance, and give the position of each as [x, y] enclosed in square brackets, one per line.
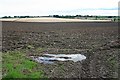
[98, 41]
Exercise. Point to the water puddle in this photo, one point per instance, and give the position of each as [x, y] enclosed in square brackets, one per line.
[51, 58]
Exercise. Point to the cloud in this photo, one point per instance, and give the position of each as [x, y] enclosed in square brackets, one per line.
[47, 7]
[88, 11]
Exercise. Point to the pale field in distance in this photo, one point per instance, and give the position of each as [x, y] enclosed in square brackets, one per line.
[48, 19]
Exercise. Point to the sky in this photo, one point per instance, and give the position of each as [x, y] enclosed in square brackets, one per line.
[58, 7]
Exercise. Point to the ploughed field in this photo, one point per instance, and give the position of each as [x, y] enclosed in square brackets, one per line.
[98, 41]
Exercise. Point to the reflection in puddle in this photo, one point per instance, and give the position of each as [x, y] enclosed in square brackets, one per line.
[51, 58]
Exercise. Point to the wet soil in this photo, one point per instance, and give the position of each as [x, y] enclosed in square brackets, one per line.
[99, 42]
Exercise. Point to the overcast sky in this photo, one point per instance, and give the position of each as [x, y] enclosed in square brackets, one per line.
[60, 7]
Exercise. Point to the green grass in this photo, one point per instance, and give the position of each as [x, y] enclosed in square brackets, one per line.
[17, 65]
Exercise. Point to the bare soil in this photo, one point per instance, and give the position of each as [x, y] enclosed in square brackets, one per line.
[98, 41]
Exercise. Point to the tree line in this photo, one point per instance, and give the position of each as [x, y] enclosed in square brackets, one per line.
[65, 16]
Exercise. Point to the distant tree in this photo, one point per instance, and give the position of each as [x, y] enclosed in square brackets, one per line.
[78, 15]
[16, 16]
[87, 15]
[7, 17]
[96, 17]
[24, 16]
[4, 17]
[109, 16]
[57, 16]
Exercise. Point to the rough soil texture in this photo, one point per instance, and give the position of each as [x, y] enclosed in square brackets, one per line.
[98, 41]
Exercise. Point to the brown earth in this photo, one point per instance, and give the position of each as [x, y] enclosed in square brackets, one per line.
[98, 41]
